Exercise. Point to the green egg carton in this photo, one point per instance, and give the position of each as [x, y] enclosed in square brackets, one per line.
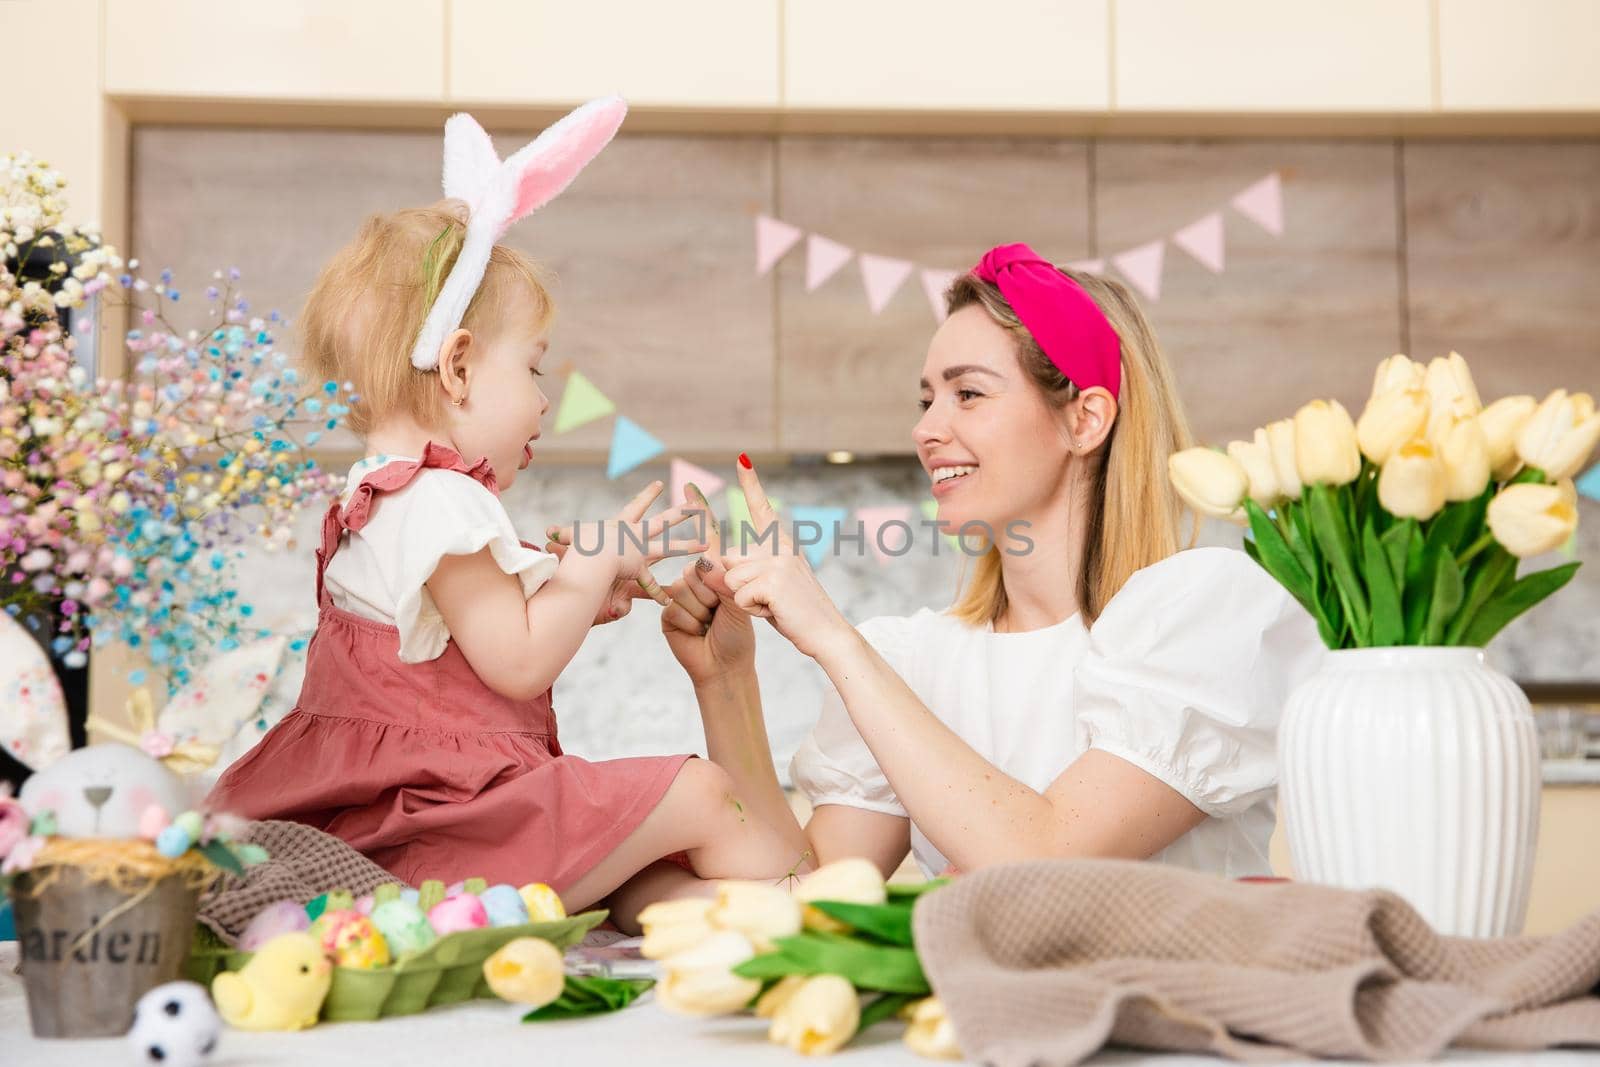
[448, 971]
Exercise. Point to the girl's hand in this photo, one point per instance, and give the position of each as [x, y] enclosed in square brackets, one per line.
[777, 584]
[710, 635]
[620, 539]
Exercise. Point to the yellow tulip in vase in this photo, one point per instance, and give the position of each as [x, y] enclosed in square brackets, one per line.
[1406, 761]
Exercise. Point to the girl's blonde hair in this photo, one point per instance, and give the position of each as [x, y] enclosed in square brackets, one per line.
[1134, 515]
[363, 316]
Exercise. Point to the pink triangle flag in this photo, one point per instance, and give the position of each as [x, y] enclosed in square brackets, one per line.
[1262, 204]
[1089, 266]
[774, 237]
[1142, 267]
[1202, 239]
[886, 541]
[934, 283]
[683, 472]
[823, 259]
[883, 277]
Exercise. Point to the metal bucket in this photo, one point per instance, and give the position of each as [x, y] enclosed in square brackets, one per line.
[84, 973]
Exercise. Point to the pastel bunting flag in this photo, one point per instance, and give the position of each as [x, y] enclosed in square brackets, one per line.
[1088, 266]
[631, 445]
[1262, 204]
[934, 283]
[1142, 267]
[739, 513]
[774, 238]
[581, 402]
[827, 521]
[885, 543]
[1588, 484]
[930, 512]
[883, 277]
[684, 472]
[823, 259]
[1202, 239]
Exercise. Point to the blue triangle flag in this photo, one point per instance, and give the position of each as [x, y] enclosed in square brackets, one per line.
[1589, 484]
[827, 518]
[631, 445]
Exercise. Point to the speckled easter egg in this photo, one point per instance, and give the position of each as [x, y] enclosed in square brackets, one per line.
[542, 902]
[403, 926]
[280, 917]
[351, 939]
[460, 912]
[504, 906]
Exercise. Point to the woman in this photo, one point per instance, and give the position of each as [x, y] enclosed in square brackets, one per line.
[1094, 692]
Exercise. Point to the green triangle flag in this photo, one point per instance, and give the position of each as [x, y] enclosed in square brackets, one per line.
[581, 402]
[930, 511]
[739, 512]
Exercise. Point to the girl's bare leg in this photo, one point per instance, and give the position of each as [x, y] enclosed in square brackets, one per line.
[699, 815]
[662, 880]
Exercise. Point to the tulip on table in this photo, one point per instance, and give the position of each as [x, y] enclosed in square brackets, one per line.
[822, 963]
[1405, 526]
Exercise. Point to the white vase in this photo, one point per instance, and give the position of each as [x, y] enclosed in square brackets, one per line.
[1415, 770]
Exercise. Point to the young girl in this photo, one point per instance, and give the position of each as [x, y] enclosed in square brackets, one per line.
[424, 733]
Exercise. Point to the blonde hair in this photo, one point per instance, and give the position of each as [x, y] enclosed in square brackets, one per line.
[363, 316]
[1134, 515]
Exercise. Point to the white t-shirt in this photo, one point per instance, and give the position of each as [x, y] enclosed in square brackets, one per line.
[1184, 675]
[380, 571]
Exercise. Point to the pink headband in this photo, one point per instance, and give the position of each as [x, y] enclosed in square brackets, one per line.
[1069, 326]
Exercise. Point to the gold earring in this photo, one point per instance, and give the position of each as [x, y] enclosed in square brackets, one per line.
[458, 400]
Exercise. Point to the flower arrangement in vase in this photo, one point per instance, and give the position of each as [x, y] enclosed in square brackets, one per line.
[1406, 761]
[124, 503]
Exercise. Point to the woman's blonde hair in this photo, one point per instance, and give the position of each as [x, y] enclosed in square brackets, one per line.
[363, 316]
[1134, 515]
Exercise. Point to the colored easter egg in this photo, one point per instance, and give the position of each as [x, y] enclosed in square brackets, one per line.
[460, 912]
[280, 917]
[504, 906]
[403, 926]
[542, 903]
[173, 842]
[192, 824]
[152, 821]
[364, 904]
[351, 939]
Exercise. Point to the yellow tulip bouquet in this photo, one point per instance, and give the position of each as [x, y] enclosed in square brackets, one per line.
[823, 961]
[1405, 527]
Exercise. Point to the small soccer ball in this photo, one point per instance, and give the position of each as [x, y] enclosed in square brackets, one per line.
[174, 1025]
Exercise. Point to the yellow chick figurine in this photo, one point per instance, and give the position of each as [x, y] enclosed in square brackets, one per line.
[281, 988]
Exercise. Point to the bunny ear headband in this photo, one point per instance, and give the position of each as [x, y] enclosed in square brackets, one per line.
[500, 193]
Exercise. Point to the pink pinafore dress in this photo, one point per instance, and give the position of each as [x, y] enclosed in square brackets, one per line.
[423, 767]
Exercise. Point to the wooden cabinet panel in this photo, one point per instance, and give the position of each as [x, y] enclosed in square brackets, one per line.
[1503, 253]
[1265, 55]
[949, 55]
[1537, 55]
[848, 378]
[1290, 318]
[353, 50]
[656, 299]
[694, 53]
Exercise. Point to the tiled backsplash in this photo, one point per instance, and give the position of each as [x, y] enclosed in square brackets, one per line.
[625, 695]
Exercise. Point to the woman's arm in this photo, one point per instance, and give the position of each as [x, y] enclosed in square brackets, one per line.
[971, 810]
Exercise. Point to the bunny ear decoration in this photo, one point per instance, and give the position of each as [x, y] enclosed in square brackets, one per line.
[33, 712]
[498, 194]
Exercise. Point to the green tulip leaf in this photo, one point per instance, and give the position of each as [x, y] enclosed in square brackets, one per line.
[889, 923]
[887, 968]
[1388, 623]
[1446, 598]
[1490, 576]
[1524, 594]
[590, 995]
[883, 1008]
[1330, 525]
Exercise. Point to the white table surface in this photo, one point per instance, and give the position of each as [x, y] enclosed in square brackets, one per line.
[490, 1034]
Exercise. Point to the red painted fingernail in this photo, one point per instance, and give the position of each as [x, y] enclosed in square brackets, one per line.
[744, 461]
